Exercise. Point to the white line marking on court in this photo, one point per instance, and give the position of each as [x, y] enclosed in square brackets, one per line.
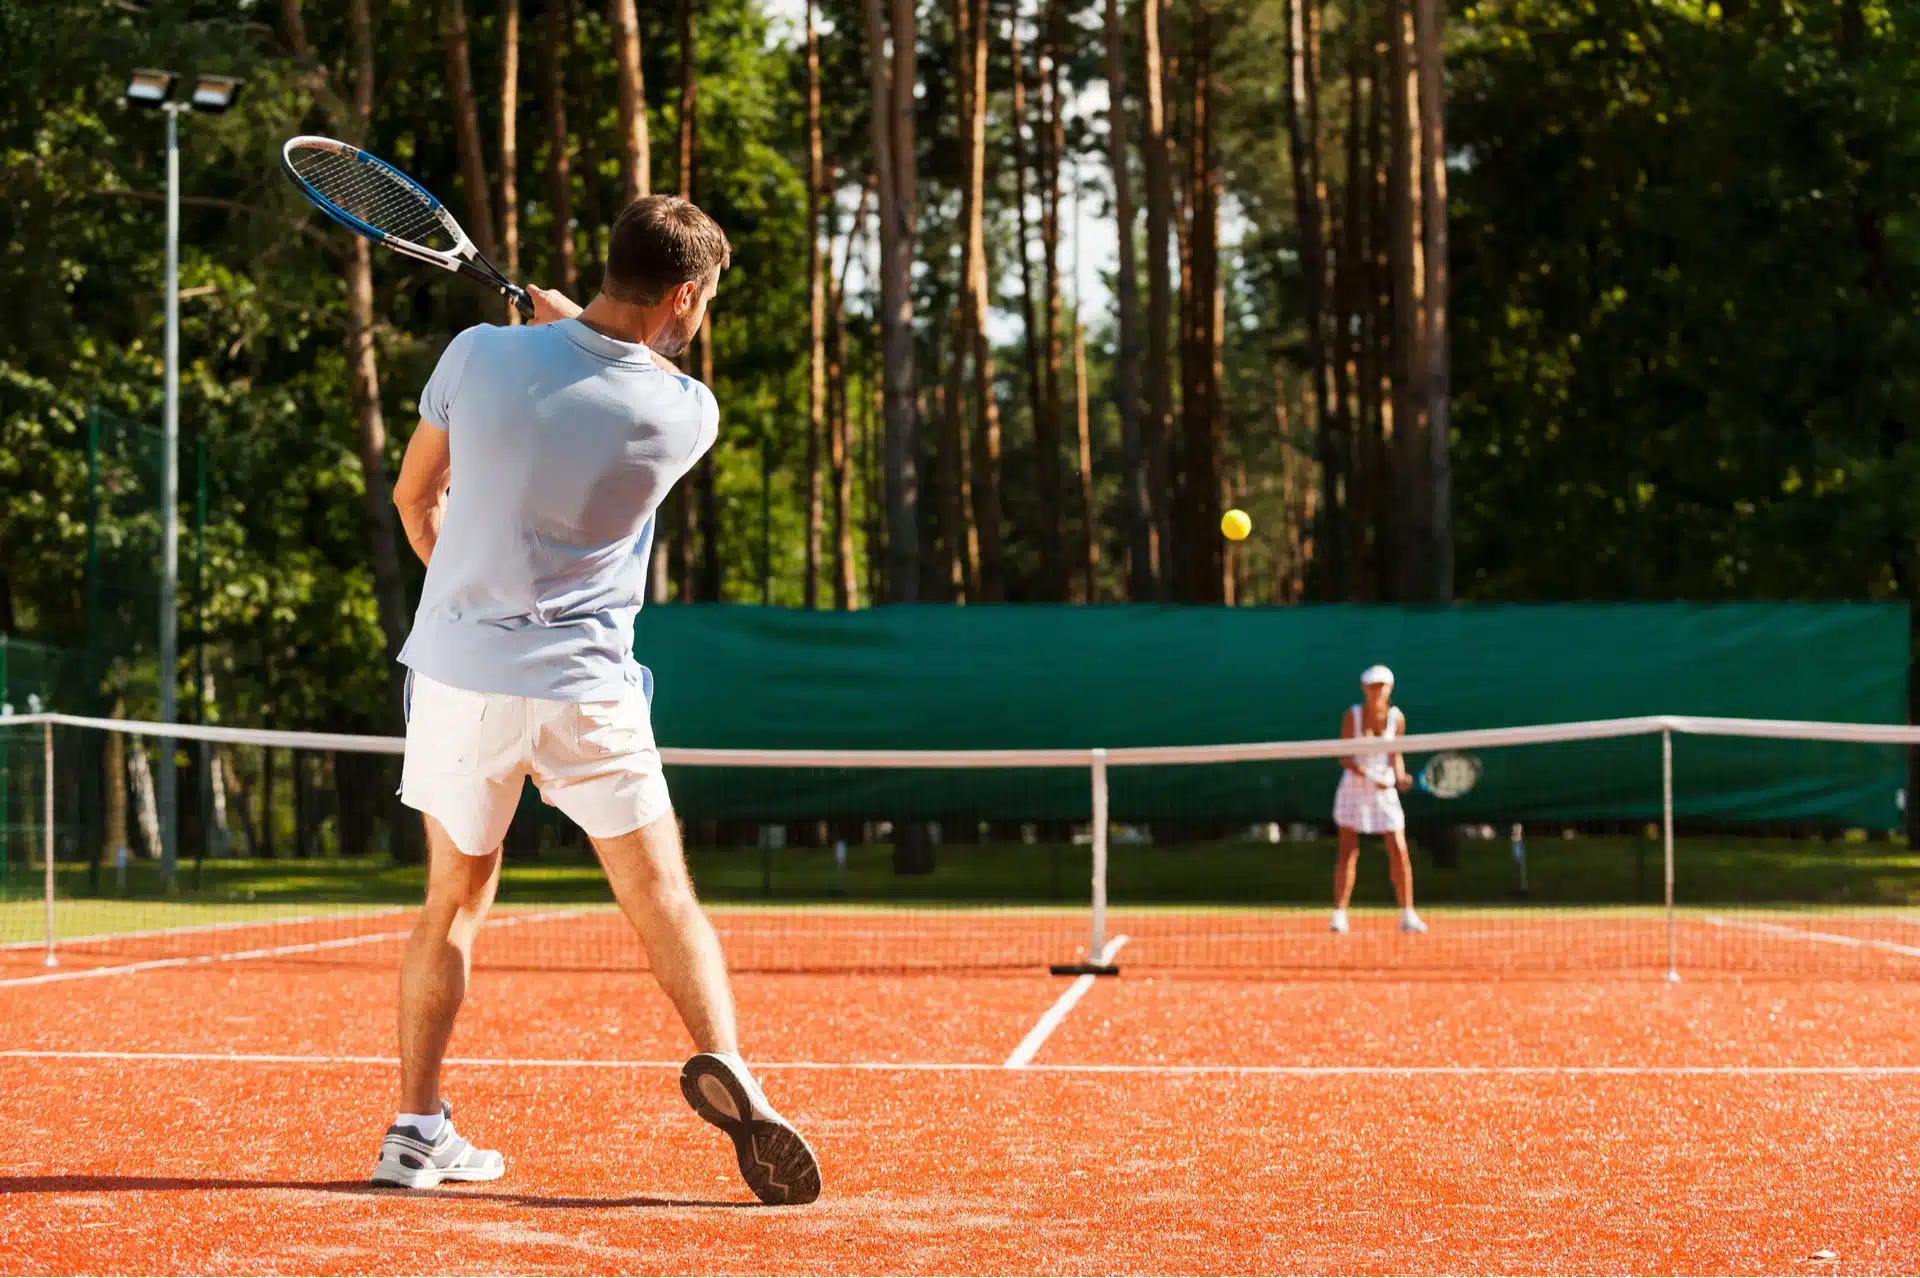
[1050, 1020]
[986, 1067]
[277, 951]
[1828, 938]
[265, 920]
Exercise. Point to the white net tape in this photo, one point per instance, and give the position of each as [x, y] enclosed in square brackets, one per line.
[1119, 757]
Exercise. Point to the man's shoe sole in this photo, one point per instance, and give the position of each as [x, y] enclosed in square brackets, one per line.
[775, 1160]
[385, 1177]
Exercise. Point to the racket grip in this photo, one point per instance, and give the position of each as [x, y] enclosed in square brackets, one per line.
[518, 296]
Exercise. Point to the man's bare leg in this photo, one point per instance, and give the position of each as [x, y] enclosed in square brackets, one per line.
[439, 957]
[648, 873]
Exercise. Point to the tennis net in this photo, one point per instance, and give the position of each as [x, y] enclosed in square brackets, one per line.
[1639, 848]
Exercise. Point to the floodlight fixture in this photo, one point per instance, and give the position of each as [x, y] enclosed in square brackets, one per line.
[148, 87]
[213, 94]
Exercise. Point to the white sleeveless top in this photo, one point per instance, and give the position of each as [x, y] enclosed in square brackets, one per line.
[1376, 765]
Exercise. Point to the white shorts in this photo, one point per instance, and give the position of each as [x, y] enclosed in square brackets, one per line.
[469, 753]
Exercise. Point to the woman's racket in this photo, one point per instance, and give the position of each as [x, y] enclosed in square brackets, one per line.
[1449, 775]
[380, 202]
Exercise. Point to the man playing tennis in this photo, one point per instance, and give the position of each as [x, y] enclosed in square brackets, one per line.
[560, 441]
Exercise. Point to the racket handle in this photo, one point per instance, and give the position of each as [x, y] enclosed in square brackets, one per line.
[518, 296]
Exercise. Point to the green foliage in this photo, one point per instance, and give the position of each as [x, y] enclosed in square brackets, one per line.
[1686, 277]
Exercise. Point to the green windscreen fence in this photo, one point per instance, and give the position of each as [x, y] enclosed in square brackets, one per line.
[934, 677]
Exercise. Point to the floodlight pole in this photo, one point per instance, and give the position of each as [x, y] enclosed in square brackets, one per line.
[170, 509]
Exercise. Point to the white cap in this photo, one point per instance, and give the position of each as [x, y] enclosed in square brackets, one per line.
[1376, 674]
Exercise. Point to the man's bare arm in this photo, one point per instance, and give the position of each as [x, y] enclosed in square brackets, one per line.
[420, 493]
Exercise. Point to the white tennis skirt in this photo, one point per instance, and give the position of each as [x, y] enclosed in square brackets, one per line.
[1360, 807]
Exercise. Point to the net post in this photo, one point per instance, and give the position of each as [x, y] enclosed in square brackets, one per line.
[1666, 816]
[1097, 942]
[47, 837]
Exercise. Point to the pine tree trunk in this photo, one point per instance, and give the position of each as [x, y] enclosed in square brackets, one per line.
[990, 582]
[949, 579]
[1138, 493]
[510, 143]
[466, 128]
[1047, 431]
[1200, 461]
[892, 129]
[1351, 311]
[269, 828]
[114, 835]
[559, 145]
[297, 764]
[816, 318]
[1379, 483]
[1408, 271]
[1089, 522]
[1157, 426]
[1046, 447]
[873, 409]
[960, 542]
[846, 587]
[846, 592]
[593, 221]
[635, 161]
[709, 488]
[689, 99]
[1429, 22]
[1303, 147]
[705, 475]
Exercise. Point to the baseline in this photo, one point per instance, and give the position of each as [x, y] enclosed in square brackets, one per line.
[983, 1067]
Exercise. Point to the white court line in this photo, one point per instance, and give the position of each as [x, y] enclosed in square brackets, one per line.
[1827, 938]
[983, 1067]
[277, 951]
[1051, 1018]
[232, 925]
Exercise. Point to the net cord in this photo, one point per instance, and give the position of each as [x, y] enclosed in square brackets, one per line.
[1120, 757]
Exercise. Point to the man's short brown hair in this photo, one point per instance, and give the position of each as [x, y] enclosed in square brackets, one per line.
[660, 242]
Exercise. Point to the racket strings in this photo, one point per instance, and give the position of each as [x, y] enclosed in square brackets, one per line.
[374, 196]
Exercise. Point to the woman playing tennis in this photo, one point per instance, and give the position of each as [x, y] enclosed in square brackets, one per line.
[1368, 800]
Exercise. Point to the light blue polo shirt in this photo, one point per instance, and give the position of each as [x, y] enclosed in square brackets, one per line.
[563, 443]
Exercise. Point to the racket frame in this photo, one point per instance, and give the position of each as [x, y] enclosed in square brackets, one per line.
[1425, 785]
[463, 258]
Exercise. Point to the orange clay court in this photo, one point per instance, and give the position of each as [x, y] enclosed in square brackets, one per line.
[1519, 1091]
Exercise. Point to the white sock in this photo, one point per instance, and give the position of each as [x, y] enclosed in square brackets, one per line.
[1339, 913]
[428, 1125]
[1407, 915]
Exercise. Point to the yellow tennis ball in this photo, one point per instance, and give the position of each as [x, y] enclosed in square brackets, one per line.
[1235, 525]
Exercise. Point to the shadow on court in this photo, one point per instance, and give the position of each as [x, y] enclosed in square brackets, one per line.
[12, 1185]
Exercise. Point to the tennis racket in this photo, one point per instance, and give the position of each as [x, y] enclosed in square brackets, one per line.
[370, 196]
[1448, 775]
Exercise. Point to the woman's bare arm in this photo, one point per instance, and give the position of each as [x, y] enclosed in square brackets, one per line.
[1401, 777]
[1346, 760]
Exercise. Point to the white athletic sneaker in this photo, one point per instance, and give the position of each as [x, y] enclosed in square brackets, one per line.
[1339, 923]
[409, 1161]
[1410, 922]
[774, 1158]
